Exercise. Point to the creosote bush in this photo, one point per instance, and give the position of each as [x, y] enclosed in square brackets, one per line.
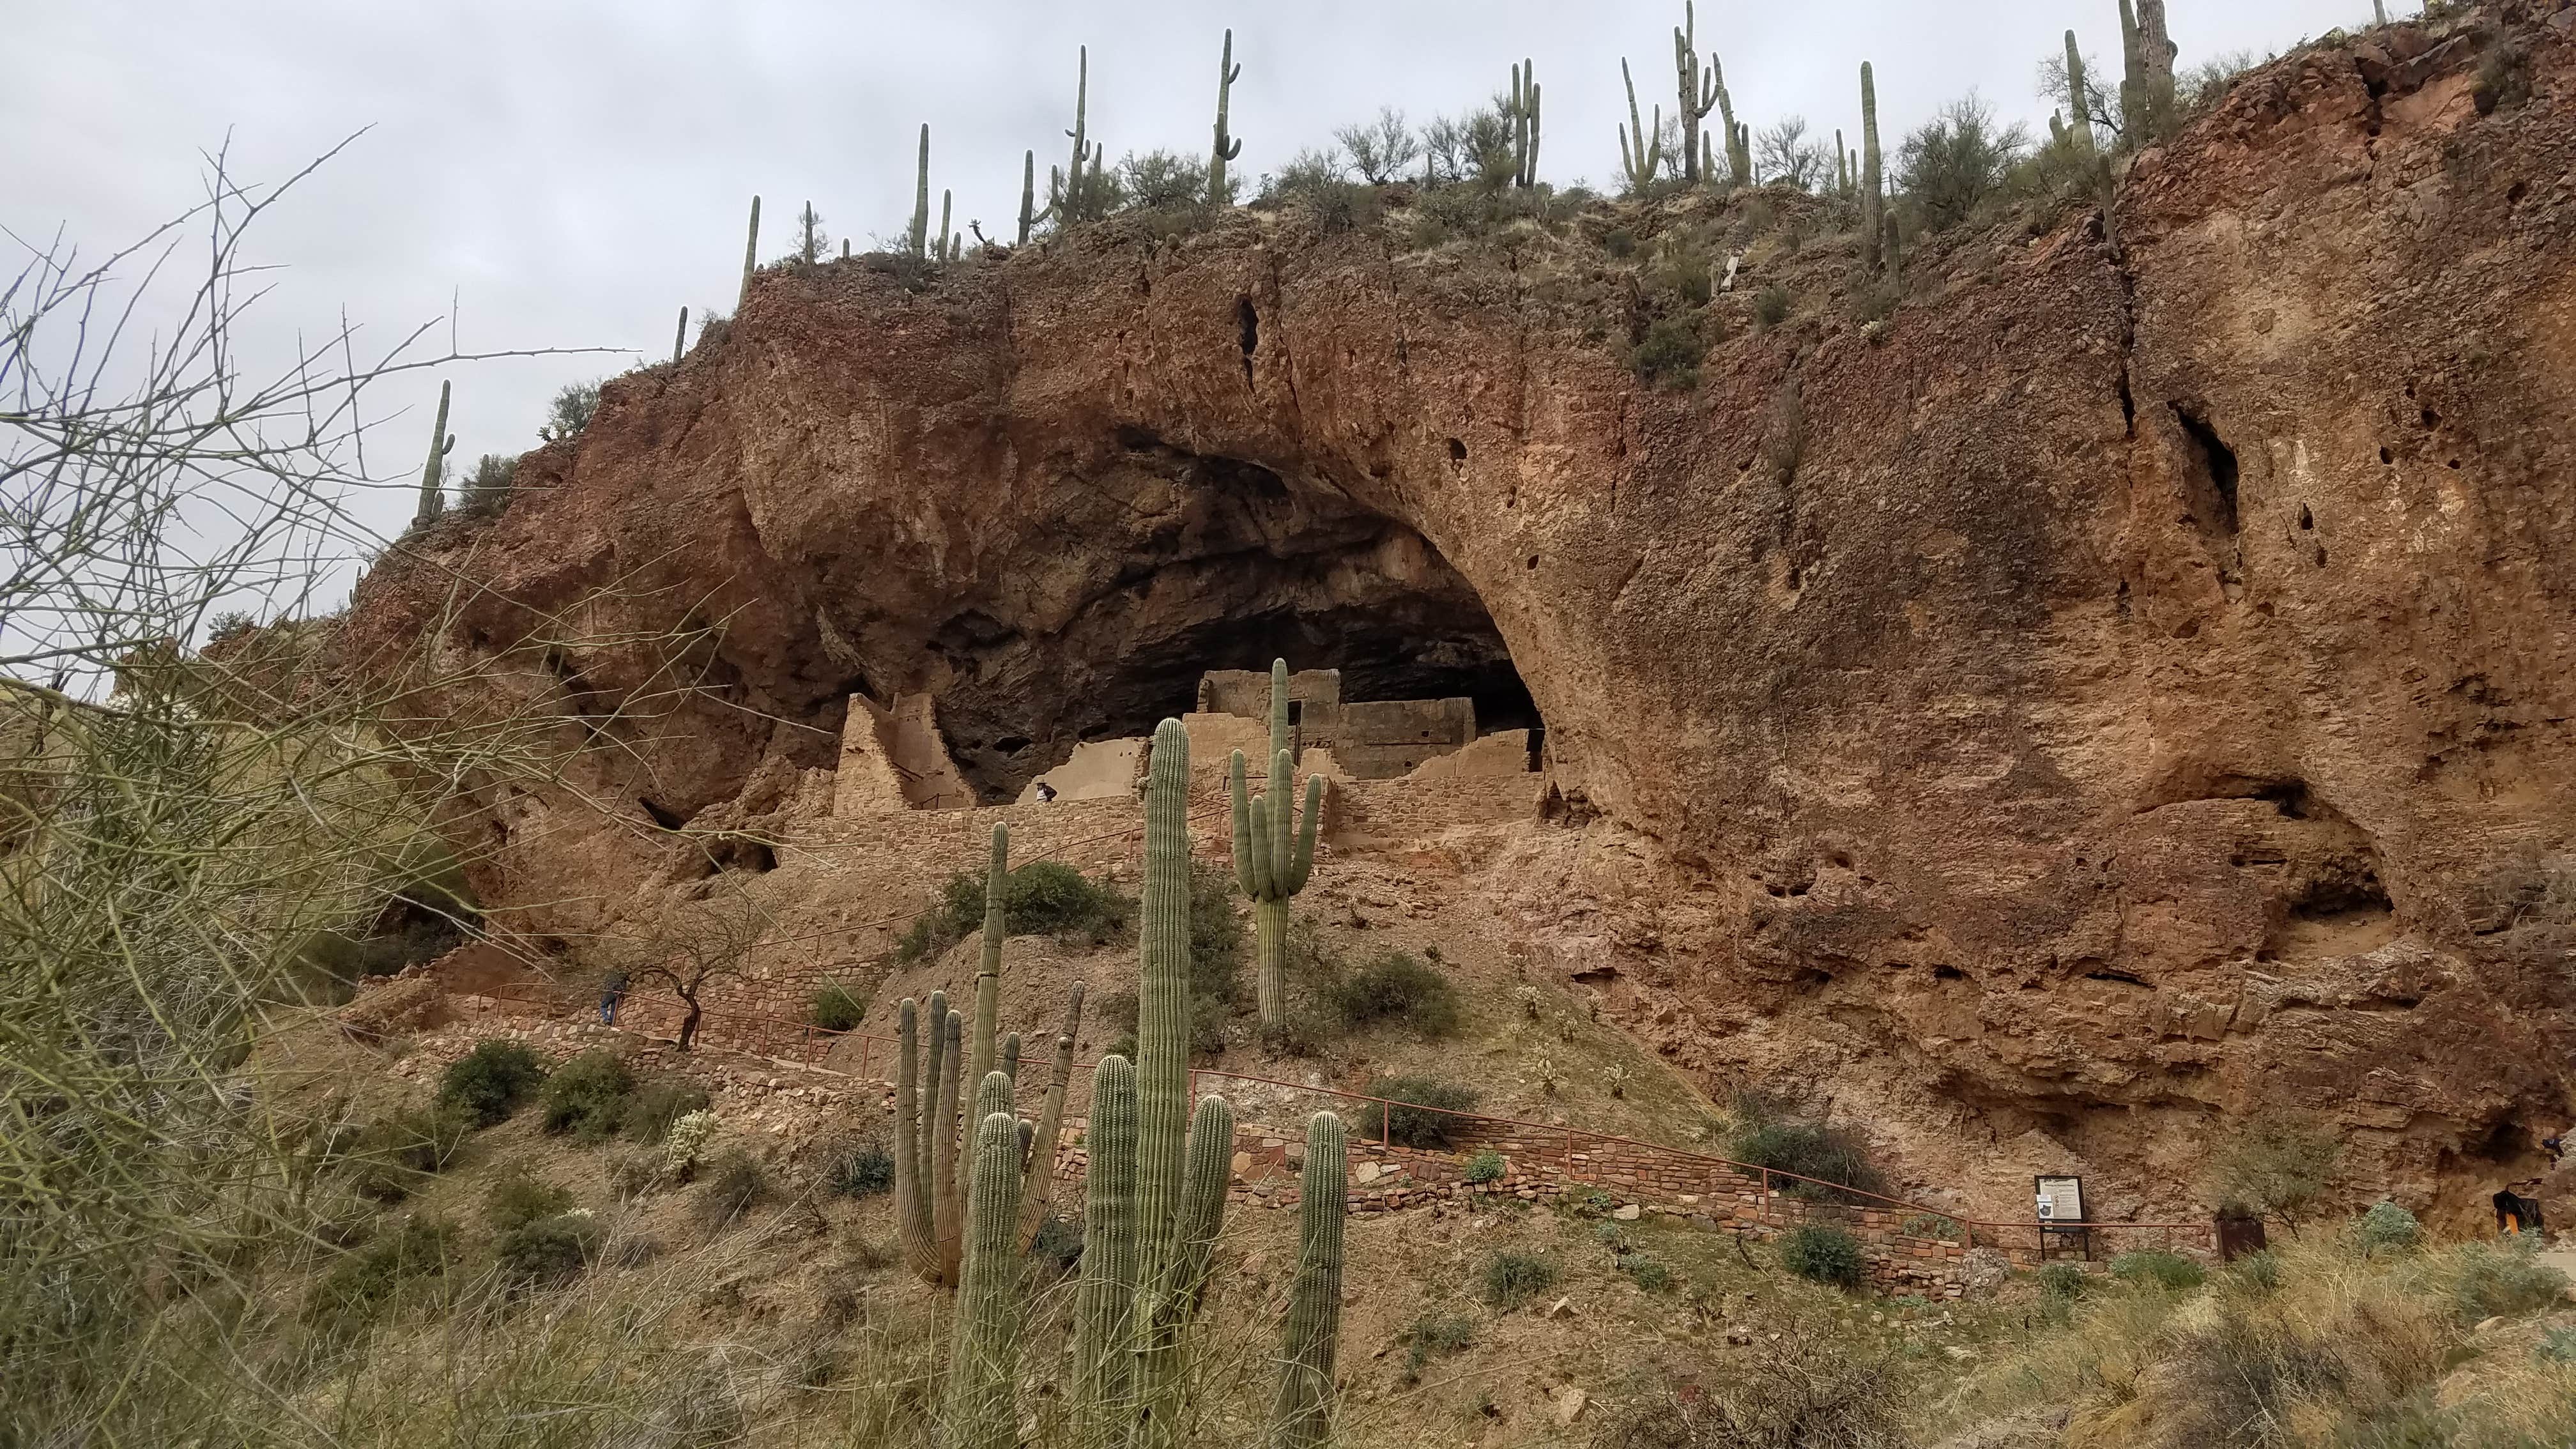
[653, 1106]
[1768, 1135]
[1822, 1254]
[491, 1080]
[2386, 1227]
[838, 1008]
[1670, 353]
[1421, 1117]
[1512, 1279]
[516, 1199]
[1486, 1166]
[587, 1096]
[1044, 898]
[547, 1251]
[391, 1157]
[1397, 987]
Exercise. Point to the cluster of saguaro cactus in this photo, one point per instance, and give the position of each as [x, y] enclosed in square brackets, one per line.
[1521, 113]
[1228, 146]
[2147, 72]
[1641, 151]
[433, 475]
[1301, 1417]
[1274, 852]
[1873, 203]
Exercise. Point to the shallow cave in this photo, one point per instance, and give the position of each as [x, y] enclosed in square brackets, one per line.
[1211, 563]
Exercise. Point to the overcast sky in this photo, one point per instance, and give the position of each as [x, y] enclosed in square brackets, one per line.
[572, 172]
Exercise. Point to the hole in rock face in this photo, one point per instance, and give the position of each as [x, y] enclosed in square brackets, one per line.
[2214, 490]
[1153, 566]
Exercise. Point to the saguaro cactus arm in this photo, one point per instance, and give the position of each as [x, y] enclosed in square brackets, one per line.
[1698, 89]
[1071, 208]
[911, 1170]
[2076, 104]
[946, 1221]
[1302, 1415]
[1030, 213]
[1641, 151]
[1105, 1302]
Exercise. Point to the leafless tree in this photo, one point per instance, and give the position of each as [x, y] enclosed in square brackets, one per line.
[1784, 152]
[1382, 149]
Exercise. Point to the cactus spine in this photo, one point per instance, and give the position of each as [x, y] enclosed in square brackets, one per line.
[1227, 146]
[1030, 215]
[1302, 1415]
[1871, 203]
[982, 1409]
[1647, 152]
[921, 200]
[750, 257]
[2082, 126]
[1698, 92]
[1523, 115]
[1105, 1302]
[680, 339]
[434, 473]
[1041, 1153]
[1273, 853]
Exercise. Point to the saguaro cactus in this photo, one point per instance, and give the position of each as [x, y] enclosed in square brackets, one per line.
[1227, 146]
[911, 1169]
[946, 1057]
[1163, 992]
[1523, 113]
[947, 238]
[988, 971]
[2156, 60]
[680, 339]
[1698, 90]
[1105, 1303]
[982, 1409]
[921, 201]
[2133, 78]
[433, 474]
[1030, 214]
[1041, 1154]
[1646, 154]
[1871, 202]
[2082, 125]
[1302, 1415]
[1274, 853]
[1071, 207]
[751, 256]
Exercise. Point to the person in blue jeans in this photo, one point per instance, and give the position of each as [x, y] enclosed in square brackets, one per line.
[611, 994]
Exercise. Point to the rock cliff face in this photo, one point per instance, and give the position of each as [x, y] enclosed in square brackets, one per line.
[2131, 685]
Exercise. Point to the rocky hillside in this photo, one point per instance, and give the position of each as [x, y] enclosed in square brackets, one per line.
[2124, 687]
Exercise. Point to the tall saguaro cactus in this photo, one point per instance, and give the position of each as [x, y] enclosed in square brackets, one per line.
[1274, 852]
[1646, 154]
[2082, 125]
[921, 200]
[680, 339]
[1872, 203]
[751, 255]
[433, 474]
[1030, 214]
[982, 1409]
[1301, 1416]
[1227, 146]
[2156, 65]
[911, 1181]
[1104, 1304]
[1523, 113]
[1698, 90]
[1073, 204]
[988, 970]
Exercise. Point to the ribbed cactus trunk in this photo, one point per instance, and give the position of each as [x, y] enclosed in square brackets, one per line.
[750, 257]
[911, 1165]
[1641, 159]
[982, 1403]
[2133, 79]
[1698, 92]
[988, 971]
[1302, 1415]
[1227, 147]
[2082, 126]
[1168, 1297]
[1040, 1178]
[2378, 12]
[946, 1060]
[921, 200]
[1871, 202]
[1104, 1305]
[433, 475]
[1030, 213]
[1274, 854]
[1523, 112]
[1069, 207]
[2156, 63]
[680, 339]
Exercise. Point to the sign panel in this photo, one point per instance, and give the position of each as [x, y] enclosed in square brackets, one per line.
[2059, 1199]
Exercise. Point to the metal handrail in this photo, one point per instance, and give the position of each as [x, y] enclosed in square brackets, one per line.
[808, 1035]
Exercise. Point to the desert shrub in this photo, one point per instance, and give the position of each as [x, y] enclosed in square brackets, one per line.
[1430, 1338]
[1767, 1135]
[1042, 898]
[2258, 1271]
[1486, 1166]
[547, 1251]
[657, 1103]
[587, 1095]
[490, 1080]
[517, 1198]
[2273, 1167]
[1058, 1243]
[1166, 180]
[575, 403]
[1933, 1225]
[486, 491]
[1216, 935]
[1954, 165]
[1399, 987]
[838, 1008]
[2062, 1280]
[1308, 171]
[389, 1158]
[1421, 1117]
[2154, 1265]
[1590, 1202]
[1822, 1254]
[1669, 354]
[1512, 1279]
[1771, 305]
[1681, 269]
[1306, 1031]
[2484, 1280]
[735, 1184]
[2504, 74]
[859, 1169]
[1800, 1391]
[366, 1279]
[2558, 1345]
[687, 1141]
[2385, 1226]
[1343, 206]
[1875, 301]
[1651, 1274]
[929, 934]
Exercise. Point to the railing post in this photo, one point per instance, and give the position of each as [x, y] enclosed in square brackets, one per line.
[1385, 1121]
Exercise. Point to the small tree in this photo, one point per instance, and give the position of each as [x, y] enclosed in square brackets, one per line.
[1383, 148]
[2099, 105]
[1956, 163]
[701, 943]
[571, 410]
[1784, 152]
[2274, 1167]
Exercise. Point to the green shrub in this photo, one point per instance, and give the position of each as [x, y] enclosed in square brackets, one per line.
[1822, 1254]
[2489, 1281]
[368, 1278]
[2062, 1280]
[838, 1008]
[1486, 1166]
[2274, 1167]
[547, 1251]
[2154, 1265]
[1767, 1136]
[660, 1101]
[859, 1169]
[2387, 1225]
[1650, 1274]
[736, 1183]
[2558, 1345]
[1669, 354]
[2259, 1271]
[1591, 1202]
[490, 1080]
[1512, 1279]
[1771, 305]
[1043, 898]
[1216, 934]
[587, 1095]
[1431, 1338]
[389, 1158]
[1954, 166]
[516, 1199]
[1934, 1226]
[1422, 1119]
[1399, 987]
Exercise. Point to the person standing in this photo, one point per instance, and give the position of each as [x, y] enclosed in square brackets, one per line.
[611, 993]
